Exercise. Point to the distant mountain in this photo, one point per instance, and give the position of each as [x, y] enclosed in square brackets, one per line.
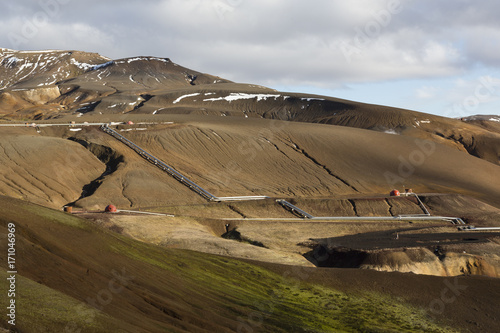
[488, 122]
[32, 69]
[36, 85]
[482, 117]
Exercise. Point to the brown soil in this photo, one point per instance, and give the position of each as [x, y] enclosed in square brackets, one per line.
[328, 156]
[257, 157]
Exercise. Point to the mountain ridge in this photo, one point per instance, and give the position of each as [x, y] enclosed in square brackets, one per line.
[75, 83]
[83, 133]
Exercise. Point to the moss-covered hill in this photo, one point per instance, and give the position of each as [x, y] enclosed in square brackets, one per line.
[73, 277]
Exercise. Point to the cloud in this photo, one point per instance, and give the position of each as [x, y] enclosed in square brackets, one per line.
[426, 92]
[466, 97]
[323, 44]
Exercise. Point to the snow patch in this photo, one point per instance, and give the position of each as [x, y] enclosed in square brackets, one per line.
[45, 84]
[106, 64]
[312, 99]
[102, 73]
[156, 111]
[146, 59]
[184, 96]
[238, 96]
[11, 61]
[89, 67]
[495, 119]
[391, 131]
[81, 65]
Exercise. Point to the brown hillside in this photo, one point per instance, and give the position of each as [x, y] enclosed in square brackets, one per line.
[97, 281]
[238, 156]
[168, 145]
[49, 84]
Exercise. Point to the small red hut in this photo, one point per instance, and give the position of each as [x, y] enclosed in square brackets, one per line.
[110, 209]
[395, 193]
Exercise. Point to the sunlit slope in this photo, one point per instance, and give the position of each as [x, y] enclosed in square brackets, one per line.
[479, 141]
[45, 170]
[231, 157]
[277, 158]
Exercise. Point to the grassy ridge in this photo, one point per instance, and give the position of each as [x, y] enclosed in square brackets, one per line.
[281, 304]
[173, 290]
[43, 310]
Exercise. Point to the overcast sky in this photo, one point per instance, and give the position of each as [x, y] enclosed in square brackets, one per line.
[440, 57]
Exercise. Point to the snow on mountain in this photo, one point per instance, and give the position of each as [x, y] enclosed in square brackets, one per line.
[237, 96]
[184, 96]
[41, 68]
[480, 117]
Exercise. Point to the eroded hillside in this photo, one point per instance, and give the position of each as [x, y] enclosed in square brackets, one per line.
[235, 156]
[224, 190]
[52, 84]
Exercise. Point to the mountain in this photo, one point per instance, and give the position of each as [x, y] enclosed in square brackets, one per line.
[52, 84]
[489, 122]
[32, 69]
[239, 207]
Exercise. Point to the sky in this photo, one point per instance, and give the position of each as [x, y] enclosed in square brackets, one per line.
[438, 57]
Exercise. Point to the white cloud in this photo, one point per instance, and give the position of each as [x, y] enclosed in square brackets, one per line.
[426, 92]
[466, 97]
[281, 42]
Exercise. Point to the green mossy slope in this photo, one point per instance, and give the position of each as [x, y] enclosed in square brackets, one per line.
[74, 276]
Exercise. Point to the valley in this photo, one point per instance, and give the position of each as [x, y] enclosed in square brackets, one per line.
[240, 208]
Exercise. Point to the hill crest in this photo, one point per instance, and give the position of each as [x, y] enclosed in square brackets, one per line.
[38, 85]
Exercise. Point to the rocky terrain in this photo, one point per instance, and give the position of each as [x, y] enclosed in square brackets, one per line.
[351, 246]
